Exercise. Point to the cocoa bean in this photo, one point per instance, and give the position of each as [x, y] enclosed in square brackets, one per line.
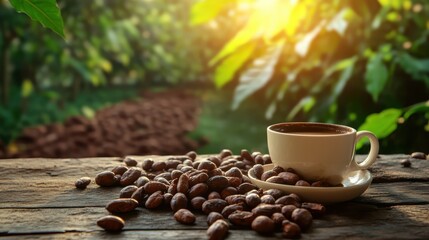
[161, 180]
[276, 179]
[199, 189]
[197, 203]
[166, 175]
[225, 153]
[217, 183]
[111, 223]
[147, 164]
[82, 182]
[178, 201]
[122, 205]
[418, 155]
[246, 187]
[268, 174]
[214, 195]
[127, 191]
[188, 162]
[230, 209]
[185, 216]
[207, 165]
[253, 200]
[119, 170]
[267, 159]
[173, 186]
[139, 195]
[130, 162]
[291, 230]
[198, 178]
[195, 165]
[236, 198]
[287, 211]
[316, 209]
[266, 209]
[406, 163]
[183, 184]
[278, 169]
[192, 155]
[154, 186]
[268, 199]
[215, 160]
[141, 181]
[241, 218]
[302, 217]
[158, 166]
[256, 153]
[274, 192]
[320, 184]
[234, 181]
[259, 159]
[218, 230]
[289, 178]
[130, 176]
[215, 172]
[258, 170]
[175, 174]
[288, 200]
[154, 200]
[263, 225]
[302, 183]
[278, 219]
[214, 205]
[167, 199]
[213, 217]
[228, 192]
[234, 172]
[105, 179]
[172, 164]
[246, 155]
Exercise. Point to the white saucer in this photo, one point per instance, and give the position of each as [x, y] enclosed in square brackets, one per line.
[354, 184]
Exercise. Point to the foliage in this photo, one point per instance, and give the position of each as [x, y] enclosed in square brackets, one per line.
[44, 11]
[339, 61]
[144, 44]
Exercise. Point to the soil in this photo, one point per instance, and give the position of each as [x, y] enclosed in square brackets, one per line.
[156, 123]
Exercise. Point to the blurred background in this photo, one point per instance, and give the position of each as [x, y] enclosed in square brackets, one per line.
[167, 77]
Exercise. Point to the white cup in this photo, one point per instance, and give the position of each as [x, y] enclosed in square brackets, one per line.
[318, 151]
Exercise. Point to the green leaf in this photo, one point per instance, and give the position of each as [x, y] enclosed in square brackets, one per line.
[381, 124]
[339, 23]
[419, 107]
[88, 112]
[301, 48]
[307, 103]
[376, 76]
[27, 88]
[417, 68]
[205, 10]
[44, 11]
[257, 74]
[229, 66]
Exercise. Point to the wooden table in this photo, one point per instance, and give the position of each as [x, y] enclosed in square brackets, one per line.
[38, 200]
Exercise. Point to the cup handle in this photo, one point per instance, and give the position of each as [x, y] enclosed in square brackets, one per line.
[373, 152]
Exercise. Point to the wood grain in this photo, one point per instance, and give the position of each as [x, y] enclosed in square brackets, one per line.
[38, 200]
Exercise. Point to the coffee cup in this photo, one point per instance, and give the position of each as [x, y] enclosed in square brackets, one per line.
[318, 151]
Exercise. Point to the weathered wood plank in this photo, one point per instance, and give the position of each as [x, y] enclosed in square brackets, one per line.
[386, 169]
[359, 216]
[40, 193]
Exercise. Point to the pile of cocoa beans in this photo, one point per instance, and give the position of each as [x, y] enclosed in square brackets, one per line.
[289, 177]
[157, 123]
[217, 186]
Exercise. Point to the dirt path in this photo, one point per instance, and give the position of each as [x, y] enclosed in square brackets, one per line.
[157, 123]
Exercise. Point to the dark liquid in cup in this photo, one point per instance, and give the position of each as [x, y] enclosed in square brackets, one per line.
[310, 129]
